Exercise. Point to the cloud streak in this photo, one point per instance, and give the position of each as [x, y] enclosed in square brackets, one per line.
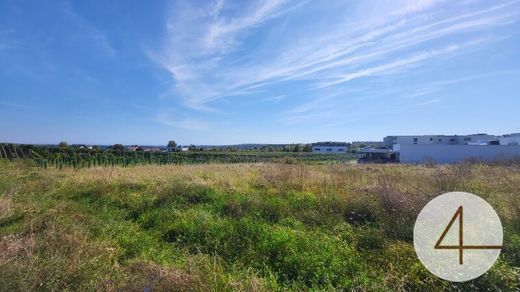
[399, 64]
[180, 122]
[425, 103]
[224, 51]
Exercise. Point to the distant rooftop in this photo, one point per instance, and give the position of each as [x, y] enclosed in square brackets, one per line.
[511, 135]
[330, 144]
[456, 135]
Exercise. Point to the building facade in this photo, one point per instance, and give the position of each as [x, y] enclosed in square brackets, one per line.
[510, 139]
[330, 147]
[453, 148]
[481, 139]
[439, 153]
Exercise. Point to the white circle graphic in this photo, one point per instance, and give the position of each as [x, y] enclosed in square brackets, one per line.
[458, 236]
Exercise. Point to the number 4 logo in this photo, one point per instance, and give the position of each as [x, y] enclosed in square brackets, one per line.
[461, 247]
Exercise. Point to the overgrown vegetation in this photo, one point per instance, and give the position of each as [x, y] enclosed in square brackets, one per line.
[251, 227]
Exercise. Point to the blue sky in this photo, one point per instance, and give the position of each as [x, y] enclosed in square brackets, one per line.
[271, 71]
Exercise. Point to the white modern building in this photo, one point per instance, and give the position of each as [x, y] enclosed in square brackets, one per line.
[450, 149]
[474, 139]
[438, 153]
[330, 147]
[510, 139]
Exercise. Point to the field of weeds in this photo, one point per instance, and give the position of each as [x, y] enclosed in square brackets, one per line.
[251, 227]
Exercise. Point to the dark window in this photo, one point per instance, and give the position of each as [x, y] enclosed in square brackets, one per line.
[440, 139]
[317, 149]
[415, 140]
[467, 139]
[431, 139]
[329, 149]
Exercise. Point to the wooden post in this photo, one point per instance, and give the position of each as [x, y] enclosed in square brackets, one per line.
[15, 152]
[5, 153]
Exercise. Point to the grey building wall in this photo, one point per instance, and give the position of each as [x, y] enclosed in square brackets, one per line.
[418, 153]
[512, 139]
[389, 141]
[329, 149]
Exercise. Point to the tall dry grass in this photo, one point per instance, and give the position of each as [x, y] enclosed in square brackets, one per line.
[198, 227]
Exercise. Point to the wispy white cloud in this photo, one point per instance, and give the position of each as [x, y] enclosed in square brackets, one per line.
[86, 31]
[221, 34]
[435, 86]
[387, 45]
[472, 77]
[314, 104]
[315, 115]
[181, 122]
[422, 91]
[198, 37]
[398, 64]
[275, 99]
[417, 6]
[210, 56]
[425, 103]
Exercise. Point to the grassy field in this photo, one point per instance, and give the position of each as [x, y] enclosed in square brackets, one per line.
[251, 227]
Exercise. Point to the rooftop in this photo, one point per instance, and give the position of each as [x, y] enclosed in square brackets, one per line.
[330, 144]
[479, 134]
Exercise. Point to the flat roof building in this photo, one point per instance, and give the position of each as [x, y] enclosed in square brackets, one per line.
[483, 139]
[453, 148]
[510, 139]
[330, 147]
[439, 153]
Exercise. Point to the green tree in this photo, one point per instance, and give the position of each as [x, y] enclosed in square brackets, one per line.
[297, 148]
[118, 147]
[63, 144]
[172, 144]
[307, 148]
